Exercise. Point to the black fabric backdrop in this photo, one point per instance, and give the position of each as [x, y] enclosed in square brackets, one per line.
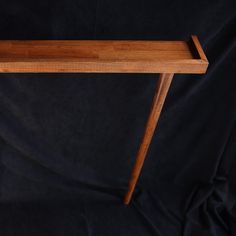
[68, 142]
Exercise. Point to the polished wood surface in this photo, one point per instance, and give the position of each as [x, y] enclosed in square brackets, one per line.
[197, 45]
[110, 56]
[101, 56]
[162, 88]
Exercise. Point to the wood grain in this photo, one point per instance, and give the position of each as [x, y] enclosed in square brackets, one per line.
[198, 48]
[109, 56]
[158, 101]
[99, 56]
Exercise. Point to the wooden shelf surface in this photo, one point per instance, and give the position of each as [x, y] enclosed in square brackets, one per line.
[102, 56]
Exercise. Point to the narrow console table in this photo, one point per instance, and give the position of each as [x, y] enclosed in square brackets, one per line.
[110, 56]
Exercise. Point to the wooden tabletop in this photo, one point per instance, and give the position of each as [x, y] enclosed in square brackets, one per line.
[102, 56]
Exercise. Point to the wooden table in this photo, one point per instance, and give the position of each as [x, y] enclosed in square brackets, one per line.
[110, 56]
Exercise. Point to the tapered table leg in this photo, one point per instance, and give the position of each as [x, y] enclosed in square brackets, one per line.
[162, 88]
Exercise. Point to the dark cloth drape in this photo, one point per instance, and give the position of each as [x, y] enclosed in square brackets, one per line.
[68, 141]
